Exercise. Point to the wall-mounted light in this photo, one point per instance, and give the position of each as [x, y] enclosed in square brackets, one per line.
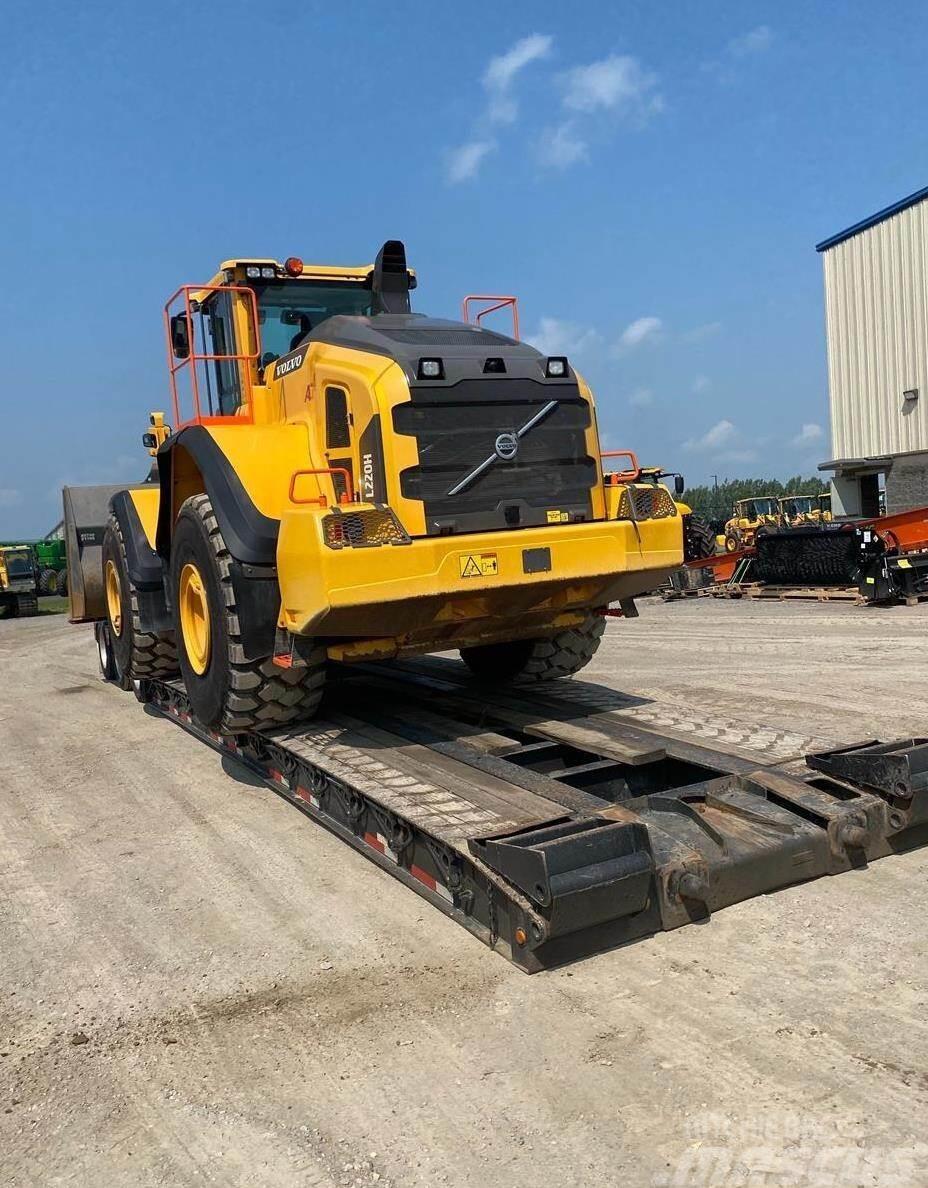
[910, 394]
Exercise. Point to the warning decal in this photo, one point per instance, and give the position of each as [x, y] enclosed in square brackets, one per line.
[478, 565]
[558, 517]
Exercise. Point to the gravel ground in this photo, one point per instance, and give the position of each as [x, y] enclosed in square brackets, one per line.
[199, 986]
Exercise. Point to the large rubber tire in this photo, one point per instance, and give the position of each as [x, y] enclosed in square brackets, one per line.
[104, 641]
[733, 540]
[538, 659]
[698, 538]
[48, 582]
[26, 606]
[232, 694]
[62, 578]
[137, 654]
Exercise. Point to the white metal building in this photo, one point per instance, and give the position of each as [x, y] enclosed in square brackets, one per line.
[876, 314]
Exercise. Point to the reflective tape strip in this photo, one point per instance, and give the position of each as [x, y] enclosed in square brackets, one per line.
[378, 842]
[432, 884]
[304, 794]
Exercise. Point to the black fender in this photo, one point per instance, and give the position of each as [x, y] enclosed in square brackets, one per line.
[146, 571]
[250, 536]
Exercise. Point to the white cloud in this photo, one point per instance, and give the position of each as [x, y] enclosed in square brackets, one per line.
[502, 71]
[616, 83]
[808, 435]
[554, 337]
[561, 147]
[10, 497]
[464, 162]
[721, 434]
[641, 398]
[701, 384]
[698, 333]
[639, 331]
[753, 42]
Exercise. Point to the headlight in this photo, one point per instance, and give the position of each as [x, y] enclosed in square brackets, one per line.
[431, 369]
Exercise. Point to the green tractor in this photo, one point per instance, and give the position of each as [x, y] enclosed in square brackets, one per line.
[18, 580]
[52, 565]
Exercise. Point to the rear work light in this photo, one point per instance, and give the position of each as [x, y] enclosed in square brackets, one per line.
[259, 271]
[556, 367]
[494, 367]
[293, 266]
[431, 369]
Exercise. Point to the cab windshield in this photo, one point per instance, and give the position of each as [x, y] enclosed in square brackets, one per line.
[288, 310]
[18, 564]
[765, 507]
[798, 507]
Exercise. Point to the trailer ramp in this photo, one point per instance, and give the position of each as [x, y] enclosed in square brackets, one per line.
[553, 828]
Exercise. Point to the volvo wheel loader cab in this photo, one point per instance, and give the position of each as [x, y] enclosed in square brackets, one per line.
[345, 480]
[750, 517]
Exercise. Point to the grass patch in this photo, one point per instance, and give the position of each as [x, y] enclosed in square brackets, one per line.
[53, 605]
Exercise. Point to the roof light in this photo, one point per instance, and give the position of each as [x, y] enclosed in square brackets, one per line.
[253, 272]
[269, 273]
[556, 367]
[293, 266]
[431, 369]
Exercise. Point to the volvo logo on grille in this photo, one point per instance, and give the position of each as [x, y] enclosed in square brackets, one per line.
[506, 446]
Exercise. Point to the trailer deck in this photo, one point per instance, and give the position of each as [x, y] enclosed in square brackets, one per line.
[549, 822]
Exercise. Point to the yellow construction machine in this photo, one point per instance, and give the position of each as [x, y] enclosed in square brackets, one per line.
[750, 517]
[796, 510]
[18, 583]
[344, 480]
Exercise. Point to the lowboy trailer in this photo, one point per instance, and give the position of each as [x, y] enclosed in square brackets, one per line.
[552, 825]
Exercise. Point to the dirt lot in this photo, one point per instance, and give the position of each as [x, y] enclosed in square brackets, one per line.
[199, 986]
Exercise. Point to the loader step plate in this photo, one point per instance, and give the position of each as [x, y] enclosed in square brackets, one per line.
[553, 823]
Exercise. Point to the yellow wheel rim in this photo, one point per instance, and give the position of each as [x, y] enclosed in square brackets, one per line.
[113, 597]
[194, 617]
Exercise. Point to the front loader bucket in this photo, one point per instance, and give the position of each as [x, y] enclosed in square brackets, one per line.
[86, 510]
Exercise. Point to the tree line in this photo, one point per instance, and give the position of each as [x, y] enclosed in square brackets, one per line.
[715, 503]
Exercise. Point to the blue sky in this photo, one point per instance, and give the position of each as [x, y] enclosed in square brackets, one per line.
[650, 179]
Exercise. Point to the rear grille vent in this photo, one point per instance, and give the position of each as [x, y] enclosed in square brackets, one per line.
[646, 503]
[363, 529]
[465, 439]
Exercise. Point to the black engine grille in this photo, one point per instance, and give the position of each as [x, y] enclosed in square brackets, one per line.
[456, 430]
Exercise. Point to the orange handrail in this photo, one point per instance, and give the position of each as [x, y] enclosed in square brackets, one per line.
[499, 302]
[622, 476]
[345, 497]
[194, 357]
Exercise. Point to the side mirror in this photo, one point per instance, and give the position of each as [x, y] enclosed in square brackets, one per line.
[180, 336]
[679, 484]
[149, 441]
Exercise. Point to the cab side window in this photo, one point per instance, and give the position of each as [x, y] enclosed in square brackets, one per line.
[223, 379]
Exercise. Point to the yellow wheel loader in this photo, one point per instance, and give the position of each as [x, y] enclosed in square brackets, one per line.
[19, 590]
[796, 510]
[344, 480]
[750, 517]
